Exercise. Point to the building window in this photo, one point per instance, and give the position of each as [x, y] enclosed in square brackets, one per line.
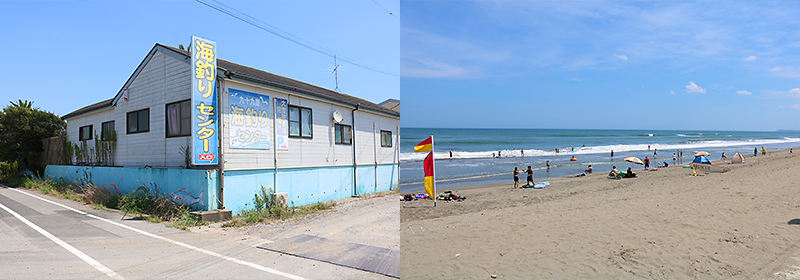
[85, 133]
[343, 134]
[386, 138]
[139, 121]
[300, 122]
[107, 132]
[179, 119]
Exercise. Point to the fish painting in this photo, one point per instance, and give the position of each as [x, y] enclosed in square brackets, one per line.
[183, 197]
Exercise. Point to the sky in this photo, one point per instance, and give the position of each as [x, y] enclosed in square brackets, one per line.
[685, 65]
[64, 55]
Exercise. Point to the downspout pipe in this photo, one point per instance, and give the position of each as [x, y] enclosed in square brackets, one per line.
[355, 164]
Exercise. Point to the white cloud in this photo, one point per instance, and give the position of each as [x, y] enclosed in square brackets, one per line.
[795, 92]
[751, 58]
[428, 68]
[576, 79]
[623, 57]
[694, 88]
[744, 92]
[795, 106]
[777, 69]
[671, 92]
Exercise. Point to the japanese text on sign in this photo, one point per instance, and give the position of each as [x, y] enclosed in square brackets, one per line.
[282, 124]
[249, 112]
[204, 101]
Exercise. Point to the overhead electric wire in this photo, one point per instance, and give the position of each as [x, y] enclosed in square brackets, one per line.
[287, 36]
[379, 5]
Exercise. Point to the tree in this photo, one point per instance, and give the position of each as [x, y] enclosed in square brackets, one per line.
[22, 128]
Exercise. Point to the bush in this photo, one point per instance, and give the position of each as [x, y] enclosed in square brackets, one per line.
[8, 169]
[265, 210]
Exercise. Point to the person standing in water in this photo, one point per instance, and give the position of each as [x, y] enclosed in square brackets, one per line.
[522, 151]
[612, 154]
[548, 166]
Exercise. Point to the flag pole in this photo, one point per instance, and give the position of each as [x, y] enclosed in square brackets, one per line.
[433, 160]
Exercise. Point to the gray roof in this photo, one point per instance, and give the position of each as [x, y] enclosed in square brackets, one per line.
[233, 70]
[90, 108]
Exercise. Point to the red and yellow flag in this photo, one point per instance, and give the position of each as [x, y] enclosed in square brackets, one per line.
[427, 165]
[424, 146]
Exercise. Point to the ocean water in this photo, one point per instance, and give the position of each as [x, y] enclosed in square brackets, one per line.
[474, 158]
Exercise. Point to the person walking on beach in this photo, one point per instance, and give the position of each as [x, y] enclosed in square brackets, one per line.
[530, 175]
[755, 151]
[516, 177]
[646, 163]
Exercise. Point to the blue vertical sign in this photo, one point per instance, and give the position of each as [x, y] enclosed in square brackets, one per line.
[204, 102]
[281, 124]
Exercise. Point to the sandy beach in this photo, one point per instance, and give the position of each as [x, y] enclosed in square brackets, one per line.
[665, 224]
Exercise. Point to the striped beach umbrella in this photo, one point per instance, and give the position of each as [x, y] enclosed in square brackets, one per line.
[701, 154]
[633, 160]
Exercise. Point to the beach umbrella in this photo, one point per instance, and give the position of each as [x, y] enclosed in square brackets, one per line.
[701, 154]
[633, 160]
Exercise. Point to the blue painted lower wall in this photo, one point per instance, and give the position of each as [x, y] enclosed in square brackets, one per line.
[196, 188]
[307, 185]
[199, 188]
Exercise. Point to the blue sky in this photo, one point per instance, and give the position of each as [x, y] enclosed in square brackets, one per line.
[64, 55]
[708, 65]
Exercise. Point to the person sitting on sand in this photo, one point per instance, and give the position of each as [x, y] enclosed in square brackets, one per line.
[629, 173]
[589, 170]
[723, 156]
[614, 172]
[516, 177]
[530, 175]
[666, 164]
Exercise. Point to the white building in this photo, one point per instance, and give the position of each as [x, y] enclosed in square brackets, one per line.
[339, 146]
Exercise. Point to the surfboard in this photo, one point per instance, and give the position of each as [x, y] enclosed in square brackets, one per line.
[710, 167]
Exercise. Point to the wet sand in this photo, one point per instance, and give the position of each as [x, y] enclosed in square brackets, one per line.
[664, 224]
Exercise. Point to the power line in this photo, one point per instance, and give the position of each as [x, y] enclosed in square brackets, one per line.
[379, 5]
[285, 35]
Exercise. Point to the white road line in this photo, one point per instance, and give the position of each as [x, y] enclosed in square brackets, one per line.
[201, 250]
[102, 268]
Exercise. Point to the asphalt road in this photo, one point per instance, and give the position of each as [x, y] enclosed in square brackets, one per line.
[44, 237]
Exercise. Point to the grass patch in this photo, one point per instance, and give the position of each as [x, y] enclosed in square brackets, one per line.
[266, 210]
[155, 209]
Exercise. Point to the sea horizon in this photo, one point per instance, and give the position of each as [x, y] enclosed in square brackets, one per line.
[469, 156]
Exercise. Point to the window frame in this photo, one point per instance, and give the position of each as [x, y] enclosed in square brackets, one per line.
[82, 129]
[338, 131]
[388, 133]
[138, 125]
[180, 117]
[103, 131]
[300, 122]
